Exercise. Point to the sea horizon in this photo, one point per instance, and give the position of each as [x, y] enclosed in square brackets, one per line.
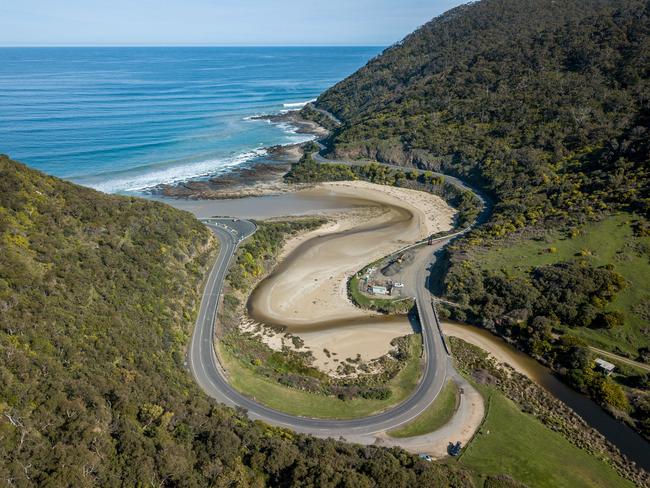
[124, 119]
[109, 46]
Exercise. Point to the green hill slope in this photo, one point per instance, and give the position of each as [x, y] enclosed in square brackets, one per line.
[544, 105]
[98, 296]
[525, 97]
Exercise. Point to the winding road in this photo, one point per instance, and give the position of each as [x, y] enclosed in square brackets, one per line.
[213, 379]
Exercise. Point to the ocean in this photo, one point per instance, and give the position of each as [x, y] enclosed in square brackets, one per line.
[123, 120]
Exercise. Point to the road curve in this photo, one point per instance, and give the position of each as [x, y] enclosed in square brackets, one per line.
[212, 378]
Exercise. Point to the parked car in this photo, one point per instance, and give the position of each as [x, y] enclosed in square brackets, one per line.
[454, 449]
[426, 457]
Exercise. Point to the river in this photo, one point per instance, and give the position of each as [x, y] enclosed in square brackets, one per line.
[635, 447]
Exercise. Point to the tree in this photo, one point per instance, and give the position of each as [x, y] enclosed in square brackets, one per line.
[608, 320]
[612, 394]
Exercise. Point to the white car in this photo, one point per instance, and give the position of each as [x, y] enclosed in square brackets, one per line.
[398, 285]
[426, 457]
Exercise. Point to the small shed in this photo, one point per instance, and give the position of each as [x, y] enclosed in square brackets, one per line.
[379, 290]
[605, 366]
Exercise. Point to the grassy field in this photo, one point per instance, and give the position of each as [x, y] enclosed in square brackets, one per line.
[516, 443]
[434, 417]
[297, 402]
[611, 241]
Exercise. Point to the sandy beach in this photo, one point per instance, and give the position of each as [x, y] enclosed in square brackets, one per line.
[306, 293]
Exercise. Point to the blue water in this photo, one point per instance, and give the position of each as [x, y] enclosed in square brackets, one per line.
[125, 119]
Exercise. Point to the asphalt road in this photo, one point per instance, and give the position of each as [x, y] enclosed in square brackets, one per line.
[213, 379]
[327, 114]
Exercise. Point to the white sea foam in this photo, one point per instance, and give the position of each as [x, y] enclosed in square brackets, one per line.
[201, 169]
[175, 174]
[297, 104]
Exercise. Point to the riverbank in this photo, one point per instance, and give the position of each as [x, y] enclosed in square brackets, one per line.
[535, 401]
[307, 295]
[501, 353]
[628, 442]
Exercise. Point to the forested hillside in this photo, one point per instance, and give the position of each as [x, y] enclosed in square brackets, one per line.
[544, 105]
[98, 296]
[518, 95]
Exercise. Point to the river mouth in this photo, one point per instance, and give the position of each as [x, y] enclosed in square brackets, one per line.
[624, 438]
[306, 293]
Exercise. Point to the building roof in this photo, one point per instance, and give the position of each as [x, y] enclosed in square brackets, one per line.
[607, 366]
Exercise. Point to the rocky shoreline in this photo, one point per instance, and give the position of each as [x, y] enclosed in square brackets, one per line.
[294, 119]
[262, 176]
[254, 179]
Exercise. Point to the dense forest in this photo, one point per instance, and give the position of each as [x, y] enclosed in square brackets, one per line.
[98, 296]
[544, 103]
[545, 106]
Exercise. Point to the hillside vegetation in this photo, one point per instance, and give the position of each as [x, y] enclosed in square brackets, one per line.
[544, 105]
[98, 296]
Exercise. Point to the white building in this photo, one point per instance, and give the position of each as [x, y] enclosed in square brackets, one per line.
[379, 290]
[605, 366]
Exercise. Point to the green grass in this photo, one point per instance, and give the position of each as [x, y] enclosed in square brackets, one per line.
[610, 241]
[516, 443]
[297, 402]
[435, 416]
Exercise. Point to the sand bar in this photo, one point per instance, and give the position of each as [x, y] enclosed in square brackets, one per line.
[308, 289]
[306, 293]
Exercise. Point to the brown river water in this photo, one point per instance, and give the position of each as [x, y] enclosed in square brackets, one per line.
[288, 297]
